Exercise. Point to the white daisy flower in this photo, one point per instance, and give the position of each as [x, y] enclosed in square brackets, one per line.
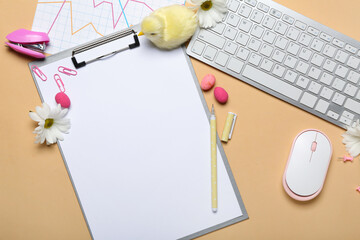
[52, 123]
[352, 139]
[209, 12]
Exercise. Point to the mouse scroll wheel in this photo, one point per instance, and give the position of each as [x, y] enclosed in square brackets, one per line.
[313, 146]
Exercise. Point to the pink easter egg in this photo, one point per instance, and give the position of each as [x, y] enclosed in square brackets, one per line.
[207, 82]
[221, 95]
[62, 99]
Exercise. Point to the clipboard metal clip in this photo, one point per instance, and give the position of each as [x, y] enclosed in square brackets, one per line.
[102, 41]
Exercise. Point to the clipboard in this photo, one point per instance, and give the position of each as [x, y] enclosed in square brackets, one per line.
[138, 151]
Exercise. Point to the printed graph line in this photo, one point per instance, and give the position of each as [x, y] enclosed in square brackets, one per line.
[95, 6]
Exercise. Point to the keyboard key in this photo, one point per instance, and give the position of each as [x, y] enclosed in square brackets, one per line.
[275, 13]
[269, 22]
[290, 61]
[254, 44]
[353, 77]
[305, 39]
[325, 37]
[245, 10]
[278, 56]
[338, 84]
[233, 19]
[322, 106]
[341, 71]
[211, 38]
[233, 5]
[230, 33]
[278, 70]
[338, 43]
[348, 115]
[256, 16]
[230, 47]
[317, 60]
[218, 28]
[235, 65]
[266, 65]
[305, 54]
[290, 76]
[251, 2]
[326, 93]
[329, 65]
[210, 53]
[317, 45]
[293, 33]
[345, 120]
[338, 99]
[302, 82]
[333, 115]
[198, 47]
[341, 56]
[326, 78]
[300, 25]
[329, 51]
[293, 48]
[313, 31]
[271, 82]
[245, 25]
[358, 95]
[242, 39]
[254, 59]
[314, 87]
[314, 73]
[308, 100]
[221, 59]
[257, 31]
[302, 67]
[353, 62]
[288, 19]
[243, 53]
[281, 42]
[263, 7]
[269, 37]
[352, 105]
[350, 90]
[350, 48]
[266, 50]
[280, 28]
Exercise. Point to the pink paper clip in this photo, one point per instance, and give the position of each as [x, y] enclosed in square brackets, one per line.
[38, 72]
[346, 158]
[59, 82]
[67, 71]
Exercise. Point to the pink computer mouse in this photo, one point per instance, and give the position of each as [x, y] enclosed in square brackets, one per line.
[307, 165]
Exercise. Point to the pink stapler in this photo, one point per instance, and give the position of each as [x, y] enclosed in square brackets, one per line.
[28, 42]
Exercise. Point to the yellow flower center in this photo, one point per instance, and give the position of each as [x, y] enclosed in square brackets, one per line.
[48, 123]
[206, 6]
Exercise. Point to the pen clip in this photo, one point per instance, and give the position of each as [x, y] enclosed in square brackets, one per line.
[38, 72]
[67, 71]
[232, 125]
[59, 82]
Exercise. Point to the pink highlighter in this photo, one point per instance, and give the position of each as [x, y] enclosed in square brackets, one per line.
[28, 42]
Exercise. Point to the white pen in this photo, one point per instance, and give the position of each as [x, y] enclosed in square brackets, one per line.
[214, 203]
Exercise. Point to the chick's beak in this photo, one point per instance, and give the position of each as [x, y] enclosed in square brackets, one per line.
[140, 33]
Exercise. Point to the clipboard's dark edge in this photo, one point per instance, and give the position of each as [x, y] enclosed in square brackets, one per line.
[245, 215]
[68, 53]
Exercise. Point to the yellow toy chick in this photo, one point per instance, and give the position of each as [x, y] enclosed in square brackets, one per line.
[169, 27]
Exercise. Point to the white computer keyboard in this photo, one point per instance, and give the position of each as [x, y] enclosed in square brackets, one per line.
[286, 55]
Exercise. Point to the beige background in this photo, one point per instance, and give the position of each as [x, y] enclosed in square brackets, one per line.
[37, 200]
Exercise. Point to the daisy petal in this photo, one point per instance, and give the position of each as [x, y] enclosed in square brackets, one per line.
[34, 116]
